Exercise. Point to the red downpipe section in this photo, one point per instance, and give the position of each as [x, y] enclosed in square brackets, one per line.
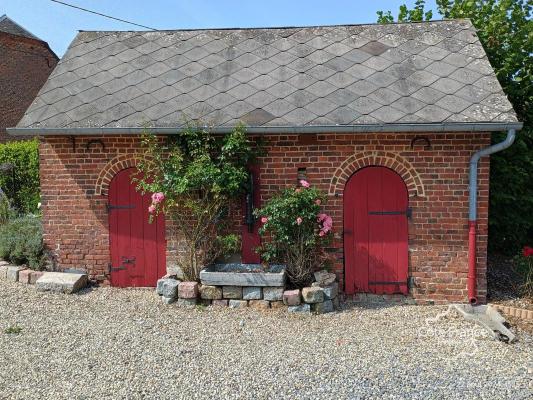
[472, 290]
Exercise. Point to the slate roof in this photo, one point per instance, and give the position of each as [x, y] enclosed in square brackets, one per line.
[7, 25]
[417, 73]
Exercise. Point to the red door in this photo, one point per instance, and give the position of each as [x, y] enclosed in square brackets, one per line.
[137, 247]
[375, 232]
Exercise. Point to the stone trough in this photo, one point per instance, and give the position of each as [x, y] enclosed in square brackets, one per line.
[243, 275]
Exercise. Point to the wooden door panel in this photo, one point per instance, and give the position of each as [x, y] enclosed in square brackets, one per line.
[137, 247]
[375, 240]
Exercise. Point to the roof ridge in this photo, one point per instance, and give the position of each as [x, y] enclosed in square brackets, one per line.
[25, 32]
[281, 27]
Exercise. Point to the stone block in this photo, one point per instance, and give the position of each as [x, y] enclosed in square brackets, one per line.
[259, 305]
[277, 305]
[208, 292]
[13, 273]
[188, 290]
[61, 283]
[252, 293]
[238, 304]
[219, 303]
[169, 288]
[302, 308]
[273, 293]
[313, 295]
[187, 302]
[324, 278]
[3, 272]
[159, 286]
[34, 276]
[324, 307]
[292, 297]
[24, 276]
[336, 303]
[331, 291]
[232, 292]
[3, 263]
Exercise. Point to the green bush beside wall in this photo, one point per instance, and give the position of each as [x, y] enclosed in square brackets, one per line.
[21, 241]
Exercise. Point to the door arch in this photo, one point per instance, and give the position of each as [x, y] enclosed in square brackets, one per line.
[137, 247]
[375, 203]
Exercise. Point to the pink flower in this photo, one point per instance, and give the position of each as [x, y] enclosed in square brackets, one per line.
[264, 220]
[297, 190]
[151, 209]
[527, 251]
[304, 183]
[318, 202]
[158, 197]
[321, 233]
[321, 217]
[327, 222]
[299, 220]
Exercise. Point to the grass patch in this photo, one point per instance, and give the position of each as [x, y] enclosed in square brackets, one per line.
[13, 330]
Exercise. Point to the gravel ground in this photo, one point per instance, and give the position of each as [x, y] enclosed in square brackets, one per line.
[114, 344]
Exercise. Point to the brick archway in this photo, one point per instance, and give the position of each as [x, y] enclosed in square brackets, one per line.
[393, 161]
[112, 167]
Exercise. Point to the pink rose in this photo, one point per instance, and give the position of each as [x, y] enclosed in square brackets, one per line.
[320, 217]
[264, 220]
[318, 202]
[151, 209]
[158, 197]
[304, 183]
[299, 220]
[321, 233]
[297, 190]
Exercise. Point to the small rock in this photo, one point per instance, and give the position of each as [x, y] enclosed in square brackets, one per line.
[210, 292]
[324, 307]
[259, 304]
[313, 295]
[273, 293]
[3, 263]
[188, 290]
[302, 308]
[186, 302]
[292, 297]
[331, 291]
[159, 286]
[232, 292]
[13, 273]
[24, 276]
[324, 278]
[170, 288]
[219, 303]
[252, 293]
[34, 276]
[168, 300]
[238, 304]
[3, 272]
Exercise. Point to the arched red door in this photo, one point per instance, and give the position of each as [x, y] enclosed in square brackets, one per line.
[375, 232]
[137, 247]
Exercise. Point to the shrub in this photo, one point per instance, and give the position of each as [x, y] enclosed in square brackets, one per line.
[21, 184]
[21, 241]
[524, 263]
[295, 232]
[194, 177]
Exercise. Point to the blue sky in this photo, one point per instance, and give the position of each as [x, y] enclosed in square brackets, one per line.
[58, 24]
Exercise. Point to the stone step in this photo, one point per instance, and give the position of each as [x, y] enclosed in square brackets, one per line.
[60, 282]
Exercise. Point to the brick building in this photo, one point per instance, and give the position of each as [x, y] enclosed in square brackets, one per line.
[25, 63]
[383, 118]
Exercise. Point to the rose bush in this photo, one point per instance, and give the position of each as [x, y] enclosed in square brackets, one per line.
[194, 177]
[295, 232]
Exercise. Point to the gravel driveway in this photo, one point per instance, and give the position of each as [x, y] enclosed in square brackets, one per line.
[113, 344]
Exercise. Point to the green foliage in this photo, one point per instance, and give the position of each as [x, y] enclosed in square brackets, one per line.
[524, 266]
[198, 174]
[13, 330]
[21, 185]
[417, 14]
[505, 29]
[294, 232]
[21, 241]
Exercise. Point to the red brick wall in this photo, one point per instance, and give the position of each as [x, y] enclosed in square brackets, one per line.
[75, 218]
[24, 67]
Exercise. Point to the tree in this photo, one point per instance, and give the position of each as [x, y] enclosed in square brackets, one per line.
[505, 30]
[195, 176]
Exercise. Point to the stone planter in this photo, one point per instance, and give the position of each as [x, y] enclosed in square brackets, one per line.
[243, 275]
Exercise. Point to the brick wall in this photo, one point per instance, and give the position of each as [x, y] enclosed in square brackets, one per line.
[75, 218]
[24, 67]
